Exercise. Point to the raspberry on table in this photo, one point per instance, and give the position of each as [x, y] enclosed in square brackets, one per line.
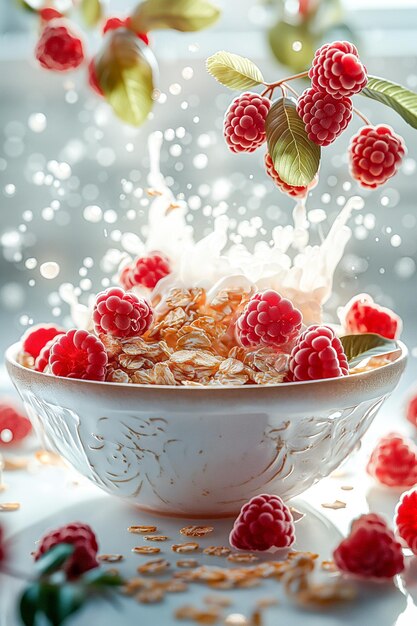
[325, 117]
[78, 354]
[337, 70]
[244, 122]
[14, 426]
[42, 360]
[375, 155]
[36, 337]
[406, 519]
[121, 314]
[264, 522]
[393, 461]
[370, 551]
[363, 315]
[82, 537]
[291, 190]
[411, 412]
[149, 270]
[59, 48]
[317, 354]
[268, 319]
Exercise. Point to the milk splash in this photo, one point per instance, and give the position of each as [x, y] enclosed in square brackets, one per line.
[306, 278]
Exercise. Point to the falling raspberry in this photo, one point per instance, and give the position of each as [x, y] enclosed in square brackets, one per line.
[59, 48]
[393, 461]
[264, 522]
[269, 320]
[362, 315]
[36, 337]
[147, 271]
[324, 116]
[406, 519]
[375, 155]
[290, 190]
[121, 314]
[78, 354]
[113, 23]
[370, 551]
[411, 412]
[337, 70]
[244, 122]
[14, 426]
[81, 536]
[318, 354]
[48, 14]
[42, 360]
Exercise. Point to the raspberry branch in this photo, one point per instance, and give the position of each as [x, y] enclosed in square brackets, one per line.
[362, 116]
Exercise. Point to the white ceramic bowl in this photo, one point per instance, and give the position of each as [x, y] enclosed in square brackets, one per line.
[198, 451]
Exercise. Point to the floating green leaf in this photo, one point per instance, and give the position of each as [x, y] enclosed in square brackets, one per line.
[28, 606]
[394, 96]
[97, 578]
[182, 15]
[91, 11]
[296, 158]
[281, 40]
[125, 75]
[360, 347]
[26, 6]
[234, 71]
[54, 558]
[58, 602]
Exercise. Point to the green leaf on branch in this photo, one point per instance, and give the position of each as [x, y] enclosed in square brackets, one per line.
[54, 559]
[91, 11]
[98, 578]
[296, 158]
[394, 96]
[360, 347]
[281, 39]
[125, 74]
[28, 606]
[182, 15]
[234, 71]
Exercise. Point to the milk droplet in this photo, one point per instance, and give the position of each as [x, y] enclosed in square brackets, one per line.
[92, 213]
[49, 270]
[37, 122]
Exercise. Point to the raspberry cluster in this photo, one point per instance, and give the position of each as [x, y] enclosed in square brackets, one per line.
[59, 47]
[393, 462]
[317, 354]
[363, 315]
[121, 314]
[36, 337]
[244, 122]
[78, 354]
[146, 271]
[14, 426]
[325, 117]
[406, 519]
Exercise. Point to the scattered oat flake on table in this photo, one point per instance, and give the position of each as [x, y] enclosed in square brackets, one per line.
[187, 563]
[44, 457]
[153, 567]
[217, 551]
[155, 537]
[110, 558]
[146, 550]
[337, 504]
[196, 531]
[217, 600]
[8, 507]
[190, 546]
[141, 530]
[200, 616]
[150, 596]
[242, 557]
[15, 464]
[346, 487]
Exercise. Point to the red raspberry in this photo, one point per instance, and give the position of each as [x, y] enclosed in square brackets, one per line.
[14, 426]
[370, 551]
[406, 519]
[148, 270]
[369, 519]
[112, 23]
[49, 14]
[291, 190]
[264, 522]
[412, 411]
[43, 358]
[375, 155]
[318, 354]
[78, 354]
[85, 545]
[121, 314]
[268, 319]
[393, 461]
[92, 78]
[324, 116]
[337, 70]
[59, 48]
[36, 337]
[125, 278]
[362, 315]
[244, 122]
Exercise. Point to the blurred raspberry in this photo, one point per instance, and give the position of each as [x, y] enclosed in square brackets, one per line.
[268, 319]
[393, 461]
[324, 116]
[92, 78]
[362, 315]
[115, 22]
[291, 190]
[43, 359]
[14, 426]
[149, 270]
[78, 354]
[49, 14]
[36, 337]
[81, 536]
[412, 411]
[337, 70]
[369, 519]
[318, 354]
[406, 519]
[59, 48]
[264, 522]
[370, 551]
[121, 314]
[375, 154]
[125, 278]
[244, 122]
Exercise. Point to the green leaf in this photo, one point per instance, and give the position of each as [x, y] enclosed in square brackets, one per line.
[394, 96]
[28, 606]
[296, 158]
[234, 71]
[281, 39]
[26, 6]
[182, 15]
[124, 73]
[91, 11]
[99, 578]
[53, 560]
[360, 347]
[58, 602]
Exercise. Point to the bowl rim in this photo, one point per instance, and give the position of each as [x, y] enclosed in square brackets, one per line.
[11, 352]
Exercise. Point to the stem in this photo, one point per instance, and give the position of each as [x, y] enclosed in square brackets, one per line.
[293, 91]
[362, 116]
[287, 79]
